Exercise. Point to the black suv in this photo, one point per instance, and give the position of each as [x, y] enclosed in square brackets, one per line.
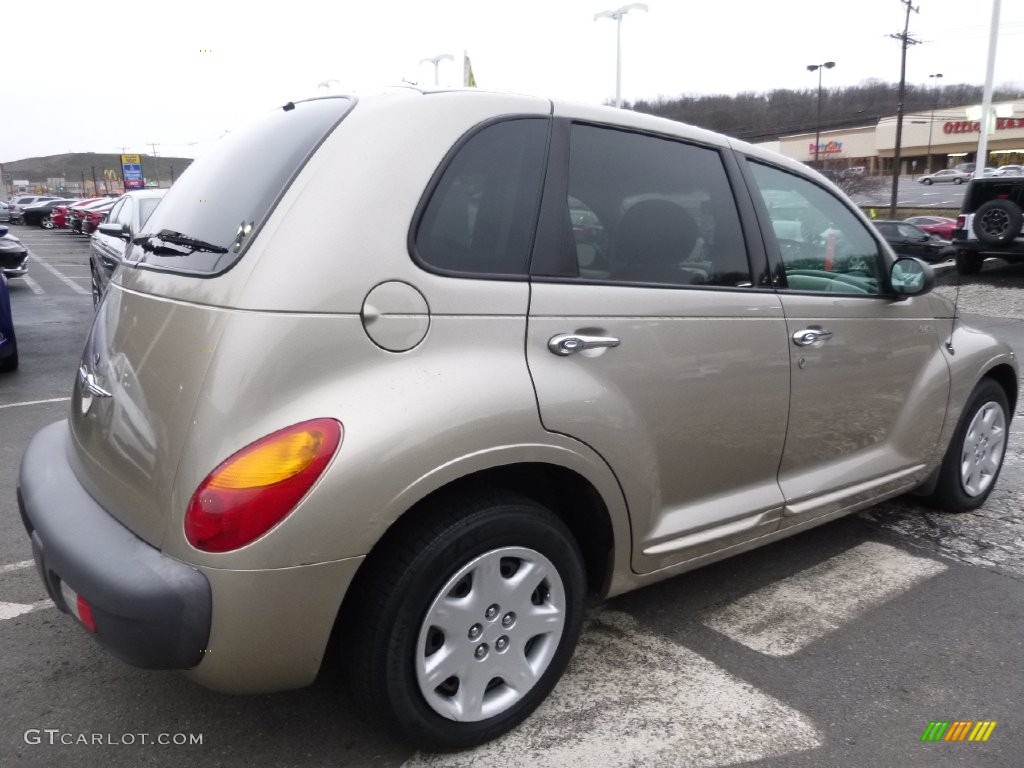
[990, 222]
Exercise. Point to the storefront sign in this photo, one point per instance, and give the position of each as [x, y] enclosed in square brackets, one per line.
[974, 126]
[831, 148]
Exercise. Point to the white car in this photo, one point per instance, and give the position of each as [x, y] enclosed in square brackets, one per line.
[947, 175]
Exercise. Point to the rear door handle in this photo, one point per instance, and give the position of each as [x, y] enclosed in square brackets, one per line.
[565, 344]
[811, 337]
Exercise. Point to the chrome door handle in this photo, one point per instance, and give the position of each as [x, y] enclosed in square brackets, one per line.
[88, 383]
[569, 343]
[811, 337]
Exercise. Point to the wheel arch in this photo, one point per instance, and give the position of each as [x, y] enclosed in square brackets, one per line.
[1006, 378]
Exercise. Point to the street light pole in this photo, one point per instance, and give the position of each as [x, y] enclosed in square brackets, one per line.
[817, 117]
[931, 120]
[436, 61]
[617, 15]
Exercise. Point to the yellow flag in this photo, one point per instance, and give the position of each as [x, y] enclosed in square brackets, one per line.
[468, 81]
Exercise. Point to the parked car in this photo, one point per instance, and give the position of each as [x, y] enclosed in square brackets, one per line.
[947, 175]
[909, 240]
[18, 204]
[990, 223]
[77, 214]
[38, 214]
[1010, 170]
[394, 412]
[96, 216]
[59, 214]
[13, 255]
[942, 226]
[8, 341]
[107, 244]
[5, 215]
[986, 171]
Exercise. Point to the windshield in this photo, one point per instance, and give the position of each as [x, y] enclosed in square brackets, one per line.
[219, 204]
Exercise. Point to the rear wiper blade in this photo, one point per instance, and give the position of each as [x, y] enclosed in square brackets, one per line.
[175, 238]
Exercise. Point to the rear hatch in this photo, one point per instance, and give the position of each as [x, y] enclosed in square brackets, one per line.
[151, 344]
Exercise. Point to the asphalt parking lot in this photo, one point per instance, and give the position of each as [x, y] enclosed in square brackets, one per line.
[836, 647]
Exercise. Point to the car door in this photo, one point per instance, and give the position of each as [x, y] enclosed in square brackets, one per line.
[650, 340]
[869, 381]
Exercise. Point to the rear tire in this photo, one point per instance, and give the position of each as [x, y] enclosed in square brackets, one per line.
[975, 454]
[448, 622]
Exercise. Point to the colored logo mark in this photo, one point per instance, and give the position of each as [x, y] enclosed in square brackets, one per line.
[958, 730]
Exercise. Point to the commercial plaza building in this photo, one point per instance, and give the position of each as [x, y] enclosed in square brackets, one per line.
[937, 139]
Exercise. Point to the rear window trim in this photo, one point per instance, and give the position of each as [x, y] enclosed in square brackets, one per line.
[300, 167]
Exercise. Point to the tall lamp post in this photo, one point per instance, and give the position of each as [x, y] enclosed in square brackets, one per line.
[617, 15]
[436, 61]
[817, 118]
[931, 120]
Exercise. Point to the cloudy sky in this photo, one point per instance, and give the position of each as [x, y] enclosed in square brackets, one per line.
[124, 73]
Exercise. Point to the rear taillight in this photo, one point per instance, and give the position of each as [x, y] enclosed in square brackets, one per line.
[253, 490]
[961, 221]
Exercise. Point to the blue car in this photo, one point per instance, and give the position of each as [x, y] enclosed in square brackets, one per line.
[8, 344]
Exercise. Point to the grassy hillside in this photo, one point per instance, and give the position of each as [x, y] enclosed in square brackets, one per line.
[71, 166]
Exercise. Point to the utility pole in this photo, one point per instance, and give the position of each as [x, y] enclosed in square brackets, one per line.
[906, 41]
[156, 163]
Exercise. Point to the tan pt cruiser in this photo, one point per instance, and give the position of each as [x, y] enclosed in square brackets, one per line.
[418, 371]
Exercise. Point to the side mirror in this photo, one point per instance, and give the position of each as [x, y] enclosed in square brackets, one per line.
[115, 230]
[911, 277]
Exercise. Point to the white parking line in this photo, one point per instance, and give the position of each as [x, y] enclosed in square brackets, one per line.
[783, 617]
[632, 698]
[12, 610]
[16, 566]
[35, 402]
[32, 285]
[66, 280]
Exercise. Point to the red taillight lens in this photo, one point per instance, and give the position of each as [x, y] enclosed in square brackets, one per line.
[961, 221]
[84, 611]
[253, 490]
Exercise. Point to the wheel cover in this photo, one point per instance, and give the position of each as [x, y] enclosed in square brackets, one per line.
[995, 222]
[490, 634]
[983, 448]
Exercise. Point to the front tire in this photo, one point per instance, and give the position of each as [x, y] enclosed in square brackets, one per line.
[972, 462]
[466, 619]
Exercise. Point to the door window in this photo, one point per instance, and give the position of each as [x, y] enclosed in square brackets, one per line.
[823, 246]
[644, 209]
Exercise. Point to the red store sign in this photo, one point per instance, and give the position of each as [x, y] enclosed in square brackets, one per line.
[974, 126]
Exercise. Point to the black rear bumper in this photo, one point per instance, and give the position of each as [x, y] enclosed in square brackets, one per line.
[149, 609]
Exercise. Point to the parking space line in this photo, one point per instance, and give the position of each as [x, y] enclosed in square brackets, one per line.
[32, 285]
[35, 402]
[632, 697]
[16, 566]
[790, 614]
[13, 610]
[66, 280]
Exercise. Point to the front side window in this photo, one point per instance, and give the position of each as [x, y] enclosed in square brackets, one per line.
[481, 215]
[824, 247]
[644, 209]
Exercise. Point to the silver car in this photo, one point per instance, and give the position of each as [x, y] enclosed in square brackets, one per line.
[949, 175]
[382, 387]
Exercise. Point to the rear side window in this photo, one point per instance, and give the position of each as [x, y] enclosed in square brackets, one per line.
[481, 215]
[215, 209]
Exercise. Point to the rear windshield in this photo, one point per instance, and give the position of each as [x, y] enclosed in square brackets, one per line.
[215, 209]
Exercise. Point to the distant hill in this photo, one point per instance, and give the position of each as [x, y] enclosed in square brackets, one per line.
[72, 166]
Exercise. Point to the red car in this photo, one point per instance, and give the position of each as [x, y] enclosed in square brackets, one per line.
[95, 216]
[934, 225]
[59, 214]
[77, 213]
